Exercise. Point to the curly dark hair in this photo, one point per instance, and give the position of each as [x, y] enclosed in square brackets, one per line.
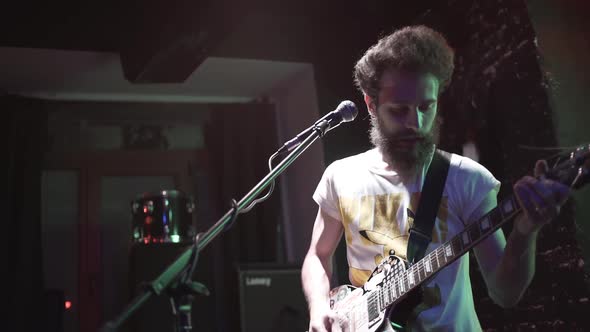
[413, 48]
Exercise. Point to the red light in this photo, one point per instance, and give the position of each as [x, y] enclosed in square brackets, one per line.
[68, 304]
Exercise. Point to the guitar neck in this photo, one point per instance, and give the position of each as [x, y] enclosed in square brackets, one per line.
[398, 286]
[571, 169]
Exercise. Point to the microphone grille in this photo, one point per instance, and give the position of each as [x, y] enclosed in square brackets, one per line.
[347, 110]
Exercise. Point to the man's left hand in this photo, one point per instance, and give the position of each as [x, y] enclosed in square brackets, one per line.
[540, 199]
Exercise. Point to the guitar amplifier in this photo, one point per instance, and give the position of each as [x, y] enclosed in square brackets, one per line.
[271, 299]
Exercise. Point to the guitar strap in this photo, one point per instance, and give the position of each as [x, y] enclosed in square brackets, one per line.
[432, 190]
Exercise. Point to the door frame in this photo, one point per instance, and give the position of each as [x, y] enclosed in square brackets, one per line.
[91, 166]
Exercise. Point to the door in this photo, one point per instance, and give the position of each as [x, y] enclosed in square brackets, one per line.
[102, 185]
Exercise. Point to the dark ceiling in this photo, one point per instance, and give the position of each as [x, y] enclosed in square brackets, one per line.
[108, 25]
[165, 41]
[63, 24]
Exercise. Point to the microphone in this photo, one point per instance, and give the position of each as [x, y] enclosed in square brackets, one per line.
[345, 112]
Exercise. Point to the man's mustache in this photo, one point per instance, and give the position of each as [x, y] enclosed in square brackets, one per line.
[407, 136]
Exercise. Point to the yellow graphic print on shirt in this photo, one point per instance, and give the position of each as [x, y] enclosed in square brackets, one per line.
[375, 218]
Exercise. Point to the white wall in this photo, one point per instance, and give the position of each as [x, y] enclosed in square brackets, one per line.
[297, 105]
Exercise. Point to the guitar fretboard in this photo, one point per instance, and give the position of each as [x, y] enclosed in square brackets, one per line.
[399, 285]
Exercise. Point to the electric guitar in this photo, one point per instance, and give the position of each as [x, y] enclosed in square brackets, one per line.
[393, 285]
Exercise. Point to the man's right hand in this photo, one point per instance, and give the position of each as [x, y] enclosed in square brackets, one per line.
[327, 321]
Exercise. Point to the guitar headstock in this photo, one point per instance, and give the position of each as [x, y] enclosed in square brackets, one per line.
[571, 169]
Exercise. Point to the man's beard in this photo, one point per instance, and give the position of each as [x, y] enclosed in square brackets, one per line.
[404, 160]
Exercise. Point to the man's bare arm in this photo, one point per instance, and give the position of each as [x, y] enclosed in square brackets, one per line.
[509, 266]
[317, 270]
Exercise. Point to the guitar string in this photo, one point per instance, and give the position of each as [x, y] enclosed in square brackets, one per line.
[439, 252]
[404, 279]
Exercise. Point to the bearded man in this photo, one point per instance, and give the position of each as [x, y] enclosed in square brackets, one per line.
[372, 197]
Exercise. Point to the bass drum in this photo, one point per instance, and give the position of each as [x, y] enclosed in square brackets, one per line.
[163, 217]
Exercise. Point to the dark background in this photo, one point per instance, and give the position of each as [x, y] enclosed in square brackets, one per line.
[520, 87]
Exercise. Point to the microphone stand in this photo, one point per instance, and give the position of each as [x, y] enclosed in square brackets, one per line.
[176, 279]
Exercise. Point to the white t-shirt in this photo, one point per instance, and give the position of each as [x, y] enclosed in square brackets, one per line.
[376, 210]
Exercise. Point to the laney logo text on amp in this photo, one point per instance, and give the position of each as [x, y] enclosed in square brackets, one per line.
[258, 281]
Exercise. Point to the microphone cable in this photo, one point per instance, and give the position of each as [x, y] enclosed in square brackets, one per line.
[270, 189]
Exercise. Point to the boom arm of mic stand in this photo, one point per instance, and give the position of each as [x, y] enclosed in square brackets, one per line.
[172, 272]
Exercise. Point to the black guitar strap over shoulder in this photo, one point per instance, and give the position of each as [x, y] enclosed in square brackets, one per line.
[432, 190]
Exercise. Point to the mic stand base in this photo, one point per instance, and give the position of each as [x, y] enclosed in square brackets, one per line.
[183, 294]
[181, 299]
[182, 311]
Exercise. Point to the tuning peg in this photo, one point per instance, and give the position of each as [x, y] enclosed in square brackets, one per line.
[391, 252]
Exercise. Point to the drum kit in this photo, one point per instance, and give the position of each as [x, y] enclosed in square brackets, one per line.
[163, 217]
